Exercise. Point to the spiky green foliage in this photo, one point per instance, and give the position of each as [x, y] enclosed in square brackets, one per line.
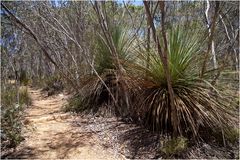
[75, 104]
[194, 100]
[122, 42]
[106, 64]
[183, 48]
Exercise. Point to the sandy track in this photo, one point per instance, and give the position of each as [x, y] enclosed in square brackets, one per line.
[49, 133]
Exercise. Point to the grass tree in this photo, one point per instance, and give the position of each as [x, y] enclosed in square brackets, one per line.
[195, 104]
[114, 49]
[105, 60]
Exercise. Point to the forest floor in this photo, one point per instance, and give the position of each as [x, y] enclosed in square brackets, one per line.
[50, 133]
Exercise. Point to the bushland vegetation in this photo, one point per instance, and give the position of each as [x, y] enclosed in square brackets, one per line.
[171, 67]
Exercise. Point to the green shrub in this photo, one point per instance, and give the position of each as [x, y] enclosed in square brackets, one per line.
[232, 135]
[52, 85]
[11, 115]
[75, 104]
[24, 97]
[49, 81]
[111, 68]
[123, 44]
[8, 96]
[11, 126]
[46, 82]
[24, 80]
[195, 103]
[174, 146]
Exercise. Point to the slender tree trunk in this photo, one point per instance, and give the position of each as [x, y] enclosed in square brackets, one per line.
[230, 41]
[43, 48]
[215, 65]
[148, 45]
[211, 29]
[163, 53]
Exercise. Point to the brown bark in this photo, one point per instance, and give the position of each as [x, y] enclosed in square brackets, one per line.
[164, 58]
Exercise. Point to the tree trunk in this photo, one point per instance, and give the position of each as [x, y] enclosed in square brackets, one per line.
[211, 29]
[164, 58]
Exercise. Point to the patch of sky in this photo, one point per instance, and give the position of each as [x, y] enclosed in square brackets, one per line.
[133, 2]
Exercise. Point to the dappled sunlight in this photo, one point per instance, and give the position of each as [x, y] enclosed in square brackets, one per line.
[49, 133]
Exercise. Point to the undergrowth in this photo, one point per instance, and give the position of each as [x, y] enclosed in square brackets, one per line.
[141, 91]
[75, 104]
[52, 84]
[11, 114]
[174, 146]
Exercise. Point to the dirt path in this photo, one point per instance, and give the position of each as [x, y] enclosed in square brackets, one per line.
[49, 133]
